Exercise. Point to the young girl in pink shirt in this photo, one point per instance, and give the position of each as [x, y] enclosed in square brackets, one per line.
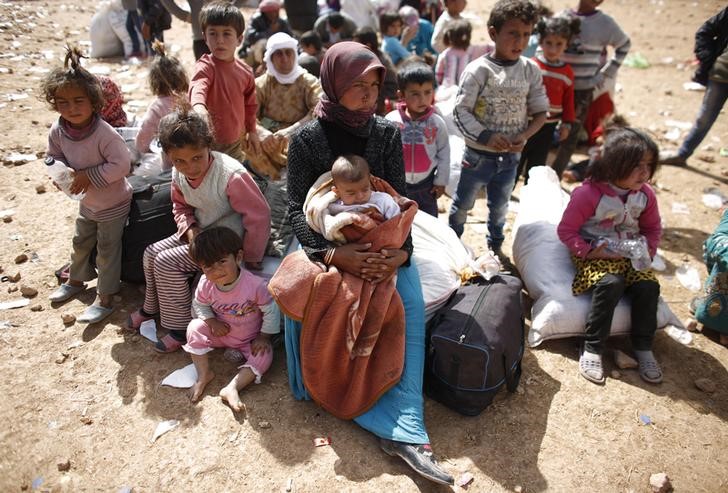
[208, 189]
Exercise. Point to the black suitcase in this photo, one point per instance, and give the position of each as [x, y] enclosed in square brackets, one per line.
[475, 345]
[150, 220]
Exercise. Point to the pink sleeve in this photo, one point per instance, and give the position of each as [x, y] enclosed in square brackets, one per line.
[440, 68]
[184, 214]
[262, 295]
[245, 199]
[150, 125]
[582, 206]
[202, 293]
[251, 106]
[200, 83]
[650, 222]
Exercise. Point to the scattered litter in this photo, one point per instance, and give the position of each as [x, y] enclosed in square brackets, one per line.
[658, 263]
[636, 60]
[19, 303]
[125, 489]
[126, 88]
[16, 97]
[679, 334]
[645, 420]
[75, 344]
[723, 151]
[7, 212]
[264, 424]
[37, 482]
[672, 134]
[706, 385]
[712, 201]
[660, 483]
[183, 378]
[678, 124]
[164, 427]
[321, 441]
[99, 70]
[17, 158]
[668, 60]
[693, 86]
[688, 277]
[148, 329]
[464, 480]
[680, 208]
[289, 484]
[6, 324]
[52, 425]
[716, 191]
[624, 361]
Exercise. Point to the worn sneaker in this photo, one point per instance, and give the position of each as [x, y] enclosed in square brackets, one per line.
[419, 458]
[672, 158]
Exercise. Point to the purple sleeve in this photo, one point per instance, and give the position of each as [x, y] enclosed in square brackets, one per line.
[581, 207]
[650, 222]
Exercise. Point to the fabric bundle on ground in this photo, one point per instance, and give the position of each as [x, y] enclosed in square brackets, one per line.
[547, 270]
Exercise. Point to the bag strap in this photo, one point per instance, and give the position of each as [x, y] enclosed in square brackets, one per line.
[512, 377]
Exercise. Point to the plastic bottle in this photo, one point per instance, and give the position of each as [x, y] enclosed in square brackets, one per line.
[62, 176]
[634, 249]
[487, 265]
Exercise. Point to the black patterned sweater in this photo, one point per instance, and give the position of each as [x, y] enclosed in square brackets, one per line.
[311, 152]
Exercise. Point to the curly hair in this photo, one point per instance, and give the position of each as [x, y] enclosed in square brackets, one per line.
[505, 10]
[623, 151]
[167, 76]
[72, 74]
[184, 127]
[562, 26]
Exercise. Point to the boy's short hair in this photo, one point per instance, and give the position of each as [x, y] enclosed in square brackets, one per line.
[311, 38]
[335, 20]
[505, 10]
[388, 18]
[220, 13]
[214, 244]
[623, 150]
[368, 37]
[349, 168]
[414, 73]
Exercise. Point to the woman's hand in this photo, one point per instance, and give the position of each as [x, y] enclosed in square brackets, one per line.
[383, 267]
[601, 251]
[352, 258]
[254, 143]
[217, 327]
[80, 182]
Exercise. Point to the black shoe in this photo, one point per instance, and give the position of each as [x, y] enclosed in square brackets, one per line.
[419, 458]
[672, 158]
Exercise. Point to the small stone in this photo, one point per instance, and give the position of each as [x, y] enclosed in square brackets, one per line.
[15, 277]
[12, 289]
[61, 358]
[40, 189]
[21, 258]
[705, 384]
[660, 483]
[36, 308]
[615, 374]
[68, 318]
[28, 291]
[264, 424]
[7, 219]
[64, 465]
[706, 158]
[86, 420]
[624, 361]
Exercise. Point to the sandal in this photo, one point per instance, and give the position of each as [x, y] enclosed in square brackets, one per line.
[65, 292]
[94, 314]
[135, 320]
[649, 367]
[590, 367]
[419, 458]
[167, 344]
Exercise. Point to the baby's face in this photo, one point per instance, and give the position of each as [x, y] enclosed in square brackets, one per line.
[356, 192]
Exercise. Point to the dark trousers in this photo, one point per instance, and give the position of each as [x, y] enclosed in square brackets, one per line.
[199, 48]
[605, 296]
[536, 150]
[422, 194]
[582, 100]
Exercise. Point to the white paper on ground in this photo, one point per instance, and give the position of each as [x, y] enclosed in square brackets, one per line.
[184, 378]
[658, 263]
[19, 303]
[148, 329]
[688, 277]
[679, 334]
[164, 427]
[712, 201]
[680, 208]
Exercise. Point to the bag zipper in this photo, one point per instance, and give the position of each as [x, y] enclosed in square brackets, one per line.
[476, 307]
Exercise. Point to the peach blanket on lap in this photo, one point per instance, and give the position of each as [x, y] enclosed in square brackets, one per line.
[352, 335]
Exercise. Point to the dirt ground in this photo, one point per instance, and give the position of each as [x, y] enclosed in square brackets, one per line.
[90, 396]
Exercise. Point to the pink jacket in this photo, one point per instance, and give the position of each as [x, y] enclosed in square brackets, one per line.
[595, 210]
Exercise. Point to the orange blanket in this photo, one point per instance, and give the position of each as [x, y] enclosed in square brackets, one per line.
[352, 336]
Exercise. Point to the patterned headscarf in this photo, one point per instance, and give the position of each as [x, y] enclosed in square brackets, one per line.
[344, 63]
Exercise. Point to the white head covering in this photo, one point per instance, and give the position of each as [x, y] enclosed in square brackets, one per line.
[282, 41]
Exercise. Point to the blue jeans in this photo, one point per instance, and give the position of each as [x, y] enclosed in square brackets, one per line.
[399, 414]
[714, 99]
[496, 173]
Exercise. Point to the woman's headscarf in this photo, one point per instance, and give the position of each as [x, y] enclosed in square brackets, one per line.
[282, 41]
[343, 63]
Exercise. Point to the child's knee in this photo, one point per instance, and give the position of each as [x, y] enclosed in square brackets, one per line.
[260, 363]
[198, 334]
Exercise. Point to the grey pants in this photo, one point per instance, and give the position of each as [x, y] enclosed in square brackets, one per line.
[106, 237]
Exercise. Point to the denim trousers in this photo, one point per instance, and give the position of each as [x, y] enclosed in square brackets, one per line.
[422, 194]
[496, 172]
[606, 294]
[713, 101]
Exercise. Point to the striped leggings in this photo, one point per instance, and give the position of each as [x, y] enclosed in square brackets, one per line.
[167, 271]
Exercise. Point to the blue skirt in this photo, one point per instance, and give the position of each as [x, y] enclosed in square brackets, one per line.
[399, 413]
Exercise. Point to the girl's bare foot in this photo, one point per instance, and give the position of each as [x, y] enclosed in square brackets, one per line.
[199, 387]
[230, 395]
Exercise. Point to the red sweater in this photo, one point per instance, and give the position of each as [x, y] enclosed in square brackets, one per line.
[227, 90]
[559, 83]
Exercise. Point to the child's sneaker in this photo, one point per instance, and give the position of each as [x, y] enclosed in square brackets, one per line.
[590, 366]
[135, 320]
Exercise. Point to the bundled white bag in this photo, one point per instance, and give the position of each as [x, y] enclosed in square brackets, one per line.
[104, 43]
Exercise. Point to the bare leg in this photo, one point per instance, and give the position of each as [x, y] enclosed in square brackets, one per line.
[204, 375]
[105, 300]
[229, 393]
